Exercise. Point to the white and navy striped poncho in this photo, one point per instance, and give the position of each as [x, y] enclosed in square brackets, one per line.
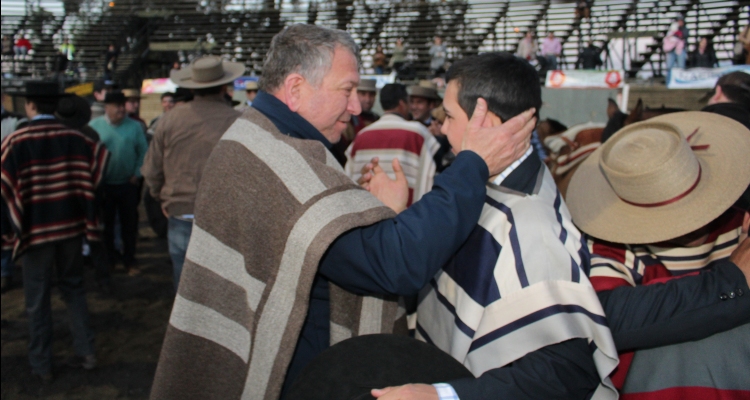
[518, 283]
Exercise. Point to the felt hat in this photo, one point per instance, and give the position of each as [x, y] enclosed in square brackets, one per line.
[662, 178]
[206, 72]
[73, 111]
[350, 369]
[425, 89]
[367, 85]
[115, 97]
[251, 85]
[131, 93]
[43, 90]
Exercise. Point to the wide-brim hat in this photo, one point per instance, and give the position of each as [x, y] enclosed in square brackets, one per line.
[367, 85]
[73, 111]
[426, 92]
[115, 98]
[44, 90]
[662, 178]
[206, 72]
[350, 369]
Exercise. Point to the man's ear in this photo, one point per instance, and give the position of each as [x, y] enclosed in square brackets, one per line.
[746, 223]
[492, 120]
[717, 95]
[292, 91]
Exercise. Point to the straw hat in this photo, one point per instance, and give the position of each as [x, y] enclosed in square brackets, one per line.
[426, 89]
[206, 72]
[367, 85]
[661, 179]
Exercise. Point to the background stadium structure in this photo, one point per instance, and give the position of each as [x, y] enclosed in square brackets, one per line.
[152, 34]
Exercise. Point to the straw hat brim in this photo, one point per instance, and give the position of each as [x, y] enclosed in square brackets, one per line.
[184, 77]
[725, 165]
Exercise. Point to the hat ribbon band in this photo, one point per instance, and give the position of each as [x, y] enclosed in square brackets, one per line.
[670, 201]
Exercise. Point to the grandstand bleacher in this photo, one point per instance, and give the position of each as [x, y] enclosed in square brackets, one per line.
[241, 30]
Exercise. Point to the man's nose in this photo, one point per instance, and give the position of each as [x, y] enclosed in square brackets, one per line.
[354, 107]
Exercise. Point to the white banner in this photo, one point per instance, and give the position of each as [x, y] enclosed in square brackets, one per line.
[700, 78]
[160, 85]
[585, 79]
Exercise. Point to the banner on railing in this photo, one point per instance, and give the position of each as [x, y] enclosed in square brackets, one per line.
[239, 83]
[700, 78]
[160, 85]
[585, 79]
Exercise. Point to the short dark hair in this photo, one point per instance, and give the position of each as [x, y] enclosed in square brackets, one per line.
[736, 87]
[208, 91]
[167, 94]
[556, 125]
[391, 94]
[509, 85]
[43, 105]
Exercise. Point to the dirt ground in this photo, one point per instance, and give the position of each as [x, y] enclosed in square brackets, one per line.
[129, 325]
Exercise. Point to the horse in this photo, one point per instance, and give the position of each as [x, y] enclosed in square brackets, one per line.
[570, 148]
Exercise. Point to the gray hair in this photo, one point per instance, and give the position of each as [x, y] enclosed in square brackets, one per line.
[303, 49]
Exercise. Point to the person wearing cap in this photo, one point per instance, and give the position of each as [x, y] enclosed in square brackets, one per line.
[183, 140]
[285, 246]
[731, 97]
[423, 98]
[675, 43]
[133, 106]
[126, 141]
[251, 90]
[668, 240]
[367, 91]
[393, 137]
[513, 303]
[49, 175]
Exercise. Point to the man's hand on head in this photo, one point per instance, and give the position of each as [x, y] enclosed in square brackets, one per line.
[499, 146]
[406, 392]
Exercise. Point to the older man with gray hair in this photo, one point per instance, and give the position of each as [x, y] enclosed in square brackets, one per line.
[285, 247]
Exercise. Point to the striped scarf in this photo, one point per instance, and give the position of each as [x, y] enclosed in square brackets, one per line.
[712, 368]
[267, 209]
[49, 175]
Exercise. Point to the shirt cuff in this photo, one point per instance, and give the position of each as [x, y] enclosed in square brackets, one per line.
[445, 391]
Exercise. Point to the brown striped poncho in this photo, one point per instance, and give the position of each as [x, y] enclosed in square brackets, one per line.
[267, 209]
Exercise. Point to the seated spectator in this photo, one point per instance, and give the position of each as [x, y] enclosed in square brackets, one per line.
[551, 49]
[704, 55]
[394, 137]
[583, 9]
[438, 54]
[527, 47]
[7, 46]
[379, 60]
[659, 202]
[513, 304]
[398, 58]
[22, 46]
[590, 57]
[742, 47]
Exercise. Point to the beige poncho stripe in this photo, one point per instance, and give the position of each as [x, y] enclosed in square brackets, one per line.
[267, 209]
